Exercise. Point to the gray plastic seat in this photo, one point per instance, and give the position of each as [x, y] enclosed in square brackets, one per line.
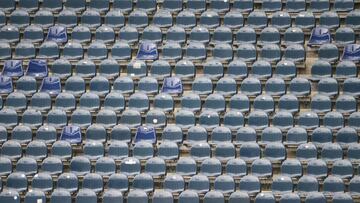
[143, 182]
[81, 34]
[199, 34]
[250, 151]
[156, 118]
[246, 52]
[21, 134]
[270, 52]
[202, 85]
[258, 119]
[10, 196]
[68, 182]
[75, 5]
[293, 35]
[186, 19]
[333, 185]
[329, 20]
[73, 50]
[210, 167]
[89, 101]
[11, 149]
[265, 197]
[257, 19]
[42, 182]
[105, 166]
[319, 5]
[114, 18]
[197, 134]
[155, 166]
[67, 18]
[306, 152]
[61, 149]
[93, 182]
[307, 184]
[281, 20]
[152, 33]
[291, 168]
[305, 20]
[239, 196]
[176, 34]
[236, 167]
[118, 149]
[295, 53]
[162, 196]
[184, 118]
[143, 150]
[52, 165]
[331, 152]
[49, 49]
[328, 52]
[246, 35]
[10, 33]
[300, 86]
[264, 103]
[251, 87]
[317, 168]
[86, 195]
[81, 118]
[80, 165]
[138, 19]
[195, 51]
[345, 104]
[186, 166]
[19, 18]
[250, 184]
[136, 68]
[24, 50]
[137, 196]
[261, 168]
[320, 104]
[200, 151]
[163, 17]
[17, 181]
[34, 34]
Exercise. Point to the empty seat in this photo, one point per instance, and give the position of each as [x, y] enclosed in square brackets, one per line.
[246, 52]
[261, 69]
[251, 87]
[294, 53]
[67, 18]
[275, 86]
[315, 197]
[200, 151]
[93, 150]
[258, 120]
[293, 35]
[97, 51]
[214, 102]
[291, 168]
[42, 182]
[209, 19]
[264, 103]
[81, 34]
[34, 34]
[139, 101]
[317, 168]
[210, 167]
[257, 19]
[319, 5]
[269, 35]
[90, 18]
[250, 184]
[304, 20]
[199, 183]
[264, 197]
[11, 149]
[300, 86]
[202, 85]
[281, 20]
[17, 181]
[75, 5]
[306, 152]
[80, 165]
[120, 133]
[329, 20]
[235, 168]
[19, 18]
[275, 152]
[261, 168]
[246, 35]
[61, 149]
[250, 151]
[73, 50]
[345, 104]
[86, 195]
[320, 104]
[307, 185]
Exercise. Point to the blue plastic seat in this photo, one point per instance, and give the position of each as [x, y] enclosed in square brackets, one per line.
[80, 165]
[174, 183]
[71, 134]
[269, 35]
[163, 197]
[196, 5]
[97, 51]
[329, 52]
[295, 53]
[130, 118]
[239, 196]
[172, 133]
[86, 196]
[143, 182]
[186, 166]
[6, 166]
[101, 6]
[109, 68]
[265, 197]
[176, 34]
[345, 104]
[300, 86]
[93, 149]
[271, 5]
[199, 184]
[319, 36]
[119, 182]
[24, 50]
[195, 51]
[123, 5]
[10, 196]
[93, 182]
[136, 68]
[11, 150]
[315, 197]
[152, 33]
[49, 50]
[7, 5]
[173, 5]
[317, 168]
[233, 119]
[354, 185]
[171, 51]
[214, 102]
[200, 151]
[36, 149]
[275, 86]
[351, 87]
[138, 19]
[320, 104]
[46, 134]
[342, 198]
[237, 69]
